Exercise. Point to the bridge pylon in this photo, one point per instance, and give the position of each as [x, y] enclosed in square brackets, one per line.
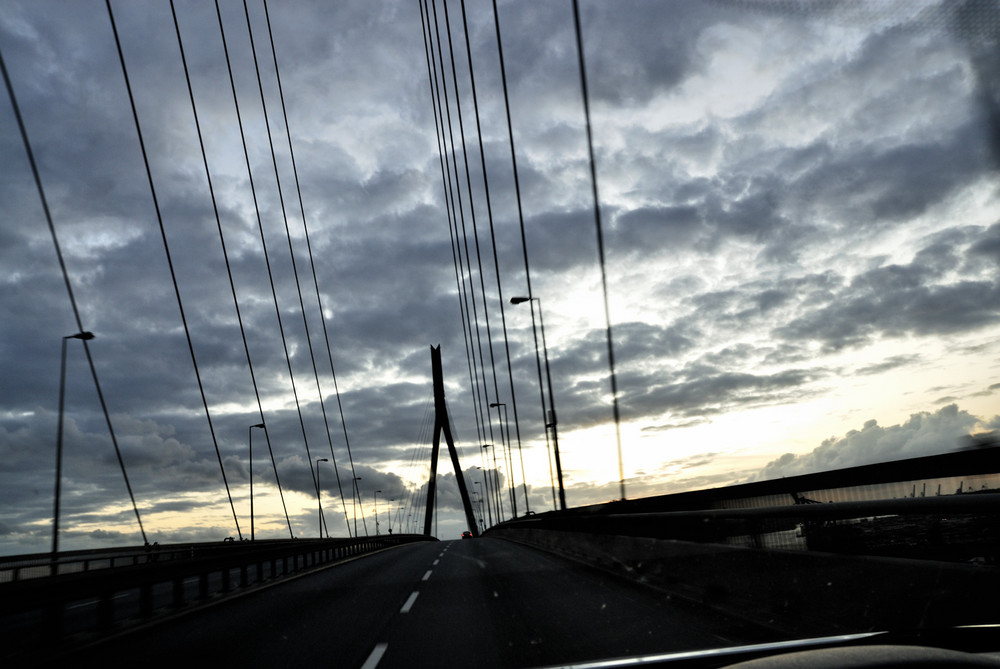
[442, 424]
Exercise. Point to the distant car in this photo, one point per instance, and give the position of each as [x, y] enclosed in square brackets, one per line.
[467, 534]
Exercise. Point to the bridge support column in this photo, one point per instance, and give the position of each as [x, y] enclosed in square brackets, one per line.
[442, 424]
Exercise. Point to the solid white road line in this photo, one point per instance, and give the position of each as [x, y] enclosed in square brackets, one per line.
[377, 652]
[409, 602]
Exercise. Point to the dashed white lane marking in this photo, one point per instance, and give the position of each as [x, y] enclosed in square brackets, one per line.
[409, 602]
[377, 652]
[427, 575]
[435, 563]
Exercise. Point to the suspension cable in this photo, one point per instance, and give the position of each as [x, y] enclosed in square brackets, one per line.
[270, 275]
[496, 261]
[312, 264]
[452, 228]
[295, 275]
[170, 264]
[480, 392]
[600, 242]
[253, 378]
[524, 238]
[222, 240]
[69, 286]
[479, 257]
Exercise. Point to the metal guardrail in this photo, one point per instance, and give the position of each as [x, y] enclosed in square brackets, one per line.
[873, 510]
[861, 482]
[953, 527]
[805, 569]
[41, 565]
[160, 578]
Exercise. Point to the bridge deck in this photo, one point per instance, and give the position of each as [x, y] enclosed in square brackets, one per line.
[484, 602]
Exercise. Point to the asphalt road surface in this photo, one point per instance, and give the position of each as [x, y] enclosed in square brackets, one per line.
[481, 602]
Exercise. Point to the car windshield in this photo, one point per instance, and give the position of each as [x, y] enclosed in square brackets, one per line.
[698, 295]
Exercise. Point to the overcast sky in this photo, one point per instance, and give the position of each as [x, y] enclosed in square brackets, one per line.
[801, 225]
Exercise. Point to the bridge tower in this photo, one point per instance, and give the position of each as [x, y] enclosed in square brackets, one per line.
[442, 424]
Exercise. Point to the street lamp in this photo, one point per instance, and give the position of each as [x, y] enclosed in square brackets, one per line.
[552, 403]
[376, 512]
[482, 513]
[524, 482]
[319, 496]
[357, 493]
[496, 483]
[508, 460]
[82, 336]
[486, 488]
[250, 441]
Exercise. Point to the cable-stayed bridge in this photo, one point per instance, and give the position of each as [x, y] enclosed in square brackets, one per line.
[752, 568]
[654, 578]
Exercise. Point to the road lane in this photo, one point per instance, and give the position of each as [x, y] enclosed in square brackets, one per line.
[333, 617]
[492, 603]
[482, 602]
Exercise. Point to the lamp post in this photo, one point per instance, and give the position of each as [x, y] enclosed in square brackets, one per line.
[482, 512]
[357, 493]
[552, 403]
[484, 494]
[508, 460]
[82, 336]
[250, 442]
[319, 494]
[489, 494]
[496, 483]
[524, 482]
[376, 512]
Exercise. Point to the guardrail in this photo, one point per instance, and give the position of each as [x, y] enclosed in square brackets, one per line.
[40, 565]
[804, 569]
[38, 609]
[951, 527]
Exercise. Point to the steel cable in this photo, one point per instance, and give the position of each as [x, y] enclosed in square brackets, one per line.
[170, 263]
[312, 263]
[246, 347]
[69, 286]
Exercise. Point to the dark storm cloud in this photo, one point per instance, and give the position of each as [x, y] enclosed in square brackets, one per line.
[988, 246]
[714, 393]
[875, 185]
[664, 226]
[675, 425]
[449, 497]
[894, 301]
[888, 364]
[649, 385]
[637, 344]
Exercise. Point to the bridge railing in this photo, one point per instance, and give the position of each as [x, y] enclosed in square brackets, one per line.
[95, 591]
[40, 565]
[870, 548]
